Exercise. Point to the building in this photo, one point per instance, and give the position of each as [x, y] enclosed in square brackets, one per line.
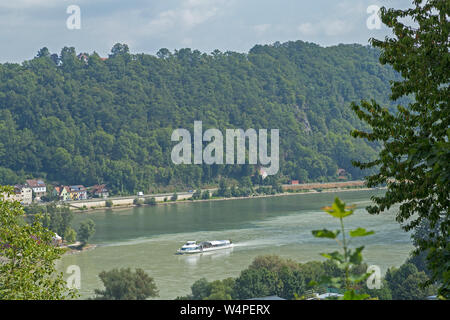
[342, 174]
[22, 194]
[99, 191]
[325, 296]
[57, 240]
[38, 187]
[294, 182]
[263, 173]
[62, 192]
[25, 194]
[78, 192]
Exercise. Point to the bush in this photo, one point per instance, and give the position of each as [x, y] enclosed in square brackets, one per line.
[70, 235]
[123, 284]
[197, 194]
[138, 202]
[108, 203]
[150, 201]
[206, 195]
[216, 290]
[86, 231]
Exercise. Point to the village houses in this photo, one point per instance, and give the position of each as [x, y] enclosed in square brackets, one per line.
[67, 193]
[79, 192]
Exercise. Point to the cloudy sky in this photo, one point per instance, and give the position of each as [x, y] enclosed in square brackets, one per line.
[206, 25]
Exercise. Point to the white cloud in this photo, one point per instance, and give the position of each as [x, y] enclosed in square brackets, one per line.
[22, 4]
[336, 27]
[307, 29]
[186, 42]
[329, 28]
[261, 28]
[190, 14]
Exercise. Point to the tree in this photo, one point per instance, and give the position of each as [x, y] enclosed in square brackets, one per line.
[200, 289]
[406, 282]
[27, 257]
[70, 235]
[44, 52]
[293, 283]
[197, 194]
[57, 218]
[206, 195]
[256, 283]
[124, 284]
[221, 290]
[163, 53]
[86, 231]
[119, 49]
[223, 188]
[414, 161]
[384, 293]
[216, 290]
[174, 197]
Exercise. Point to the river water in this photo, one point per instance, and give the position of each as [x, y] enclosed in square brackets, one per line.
[147, 237]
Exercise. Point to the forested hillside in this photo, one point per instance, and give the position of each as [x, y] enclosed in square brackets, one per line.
[81, 119]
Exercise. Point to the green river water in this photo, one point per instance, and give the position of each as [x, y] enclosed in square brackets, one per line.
[147, 237]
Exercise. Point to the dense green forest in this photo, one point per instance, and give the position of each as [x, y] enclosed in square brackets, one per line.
[79, 119]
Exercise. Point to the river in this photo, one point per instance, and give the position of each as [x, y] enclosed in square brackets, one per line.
[147, 237]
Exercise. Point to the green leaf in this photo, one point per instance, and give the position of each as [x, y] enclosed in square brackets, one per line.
[324, 233]
[334, 256]
[356, 257]
[360, 232]
[360, 278]
[352, 295]
[337, 209]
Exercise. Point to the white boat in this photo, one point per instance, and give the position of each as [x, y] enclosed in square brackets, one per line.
[205, 246]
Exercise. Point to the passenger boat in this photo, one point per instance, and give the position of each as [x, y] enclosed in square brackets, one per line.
[205, 246]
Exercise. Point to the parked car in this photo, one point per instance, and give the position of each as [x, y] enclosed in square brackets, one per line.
[140, 194]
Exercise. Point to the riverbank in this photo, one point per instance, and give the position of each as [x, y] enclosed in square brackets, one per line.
[75, 248]
[130, 203]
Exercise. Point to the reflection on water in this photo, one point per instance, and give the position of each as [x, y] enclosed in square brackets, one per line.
[148, 237]
[205, 257]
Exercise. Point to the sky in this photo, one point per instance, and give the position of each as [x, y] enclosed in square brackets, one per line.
[148, 25]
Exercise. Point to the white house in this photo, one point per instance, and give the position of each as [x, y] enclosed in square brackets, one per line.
[38, 187]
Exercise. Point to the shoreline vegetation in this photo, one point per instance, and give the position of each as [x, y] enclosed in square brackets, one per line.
[186, 197]
[76, 248]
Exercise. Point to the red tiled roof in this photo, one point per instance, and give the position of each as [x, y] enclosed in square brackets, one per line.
[35, 183]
